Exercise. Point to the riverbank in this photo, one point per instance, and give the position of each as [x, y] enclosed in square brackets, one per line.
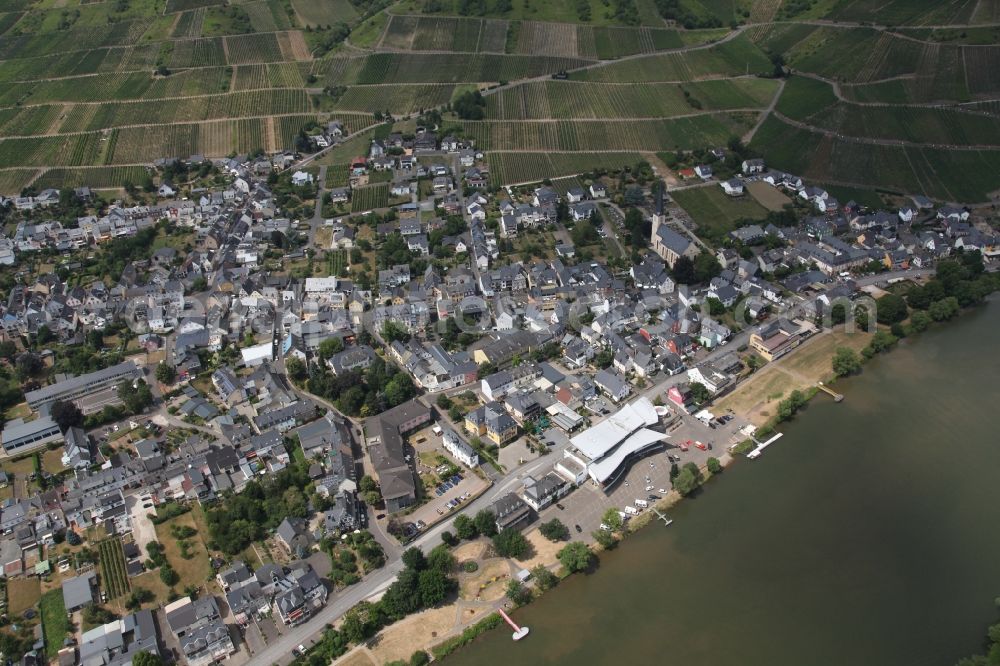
[807, 365]
[857, 541]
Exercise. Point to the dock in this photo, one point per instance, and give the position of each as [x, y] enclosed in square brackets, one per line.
[762, 445]
[837, 397]
[662, 516]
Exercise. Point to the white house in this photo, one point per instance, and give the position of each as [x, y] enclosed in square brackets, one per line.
[703, 171]
[732, 187]
[300, 178]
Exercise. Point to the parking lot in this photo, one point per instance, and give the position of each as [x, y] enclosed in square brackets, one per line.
[437, 506]
[454, 491]
[647, 476]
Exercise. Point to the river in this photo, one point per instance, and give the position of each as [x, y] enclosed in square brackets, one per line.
[867, 535]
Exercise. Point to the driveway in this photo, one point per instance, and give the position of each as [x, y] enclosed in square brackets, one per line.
[143, 530]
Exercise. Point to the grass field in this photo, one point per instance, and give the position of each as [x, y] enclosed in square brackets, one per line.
[767, 196]
[757, 398]
[22, 594]
[715, 212]
[193, 570]
[55, 625]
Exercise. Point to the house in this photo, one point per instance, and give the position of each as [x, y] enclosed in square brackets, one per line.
[459, 449]
[511, 511]
[199, 630]
[776, 339]
[703, 171]
[492, 421]
[733, 187]
[300, 178]
[752, 166]
[540, 493]
[748, 235]
[294, 537]
[598, 190]
[575, 194]
[612, 384]
[78, 591]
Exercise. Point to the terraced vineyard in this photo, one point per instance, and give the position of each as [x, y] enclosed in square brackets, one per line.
[90, 92]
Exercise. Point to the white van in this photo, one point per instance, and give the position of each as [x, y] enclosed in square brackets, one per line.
[641, 503]
[632, 511]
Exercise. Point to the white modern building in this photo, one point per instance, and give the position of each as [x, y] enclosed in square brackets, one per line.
[605, 449]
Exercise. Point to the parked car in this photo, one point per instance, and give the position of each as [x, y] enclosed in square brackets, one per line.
[578, 528]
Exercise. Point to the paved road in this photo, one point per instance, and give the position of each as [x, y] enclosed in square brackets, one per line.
[280, 651]
[317, 218]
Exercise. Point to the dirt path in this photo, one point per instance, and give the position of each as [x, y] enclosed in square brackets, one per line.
[748, 137]
[225, 50]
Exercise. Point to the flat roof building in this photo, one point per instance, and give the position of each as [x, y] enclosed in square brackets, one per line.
[78, 387]
[20, 436]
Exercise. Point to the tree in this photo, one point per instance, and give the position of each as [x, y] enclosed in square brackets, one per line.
[444, 402]
[891, 309]
[168, 575]
[28, 365]
[469, 105]
[146, 659]
[367, 484]
[576, 556]
[683, 271]
[919, 321]
[613, 519]
[441, 559]
[699, 392]
[846, 362]
[714, 466]
[165, 373]
[435, 586]
[465, 527]
[329, 347]
[419, 658]
[686, 481]
[706, 266]
[296, 369]
[554, 530]
[511, 543]
[604, 538]
[486, 523]
[393, 331]
[413, 558]
[544, 579]
[66, 415]
[715, 307]
[518, 593]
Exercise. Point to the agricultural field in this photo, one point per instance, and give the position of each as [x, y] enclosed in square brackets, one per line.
[559, 11]
[370, 197]
[514, 168]
[715, 212]
[949, 175]
[632, 135]
[736, 57]
[813, 102]
[571, 99]
[114, 577]
[90, 96]
[444, 68]
[397, 99]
